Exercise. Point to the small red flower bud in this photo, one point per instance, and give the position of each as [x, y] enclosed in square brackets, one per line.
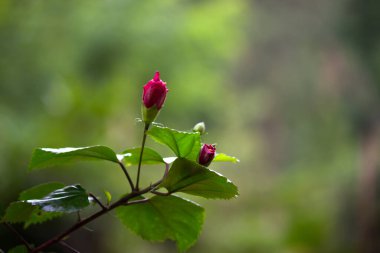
[153, 98]
[154, 92]
[207, 154]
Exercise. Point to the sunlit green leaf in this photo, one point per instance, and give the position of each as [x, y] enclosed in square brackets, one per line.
[132, 156]
[162, 218]
[45, 157]
[183, 144]
[68, 199]
[190, 177]
[18, 249]
[220, 157]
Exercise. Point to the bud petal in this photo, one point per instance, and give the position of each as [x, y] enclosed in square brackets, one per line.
[206, 154]
[200, 127]
[153, 98]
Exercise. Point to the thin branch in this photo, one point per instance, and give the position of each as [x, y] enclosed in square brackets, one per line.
[141, 155]
[97, 201]
[78, 217]
[83, 222]
[139, 201]
[19, 236]
[127, 175]
[68, 247]
[87, 220]
[160, 193]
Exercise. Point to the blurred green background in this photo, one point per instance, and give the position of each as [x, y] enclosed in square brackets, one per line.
[290, 87]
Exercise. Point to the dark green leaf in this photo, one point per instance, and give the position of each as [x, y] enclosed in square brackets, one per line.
[68, 199]
[27, 213]
[162, 218]
[39, 216]
[183, 144]
[18, 212]
[18, 249]
[22, 212]
[190, 177]
[132, 156]
[40, 191]
[220, 157]
[45, 157]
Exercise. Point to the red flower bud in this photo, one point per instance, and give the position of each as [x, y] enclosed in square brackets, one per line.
[153, 98]
[207, 154]
[154, 92]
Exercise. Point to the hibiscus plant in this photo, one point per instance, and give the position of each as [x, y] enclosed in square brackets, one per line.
[154, 211]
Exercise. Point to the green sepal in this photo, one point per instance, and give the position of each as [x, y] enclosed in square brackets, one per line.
[149, 114]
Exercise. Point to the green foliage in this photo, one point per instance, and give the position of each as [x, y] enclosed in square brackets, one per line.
[69, 199]
[18, 212]
[220, 157]
[191, 178]
[183, 144]
[47, 157]
[40, 191]
[150, 156]
[18, 249]
[108, 197]
[21, 211]
[164, 217]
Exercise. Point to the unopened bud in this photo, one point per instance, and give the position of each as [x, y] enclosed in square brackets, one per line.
[200, 127]
[153, 98]
[207, 154]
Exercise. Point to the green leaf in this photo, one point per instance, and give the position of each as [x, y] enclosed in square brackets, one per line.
[39, 216]
[68, 199]
[18, 249]
[183, 144]
[40, 191]
[220, 157]
[132, 156]
[22, 212]
[191, 178]
[164, 217]
[108, 196]
[45, 157]
[18, 212]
